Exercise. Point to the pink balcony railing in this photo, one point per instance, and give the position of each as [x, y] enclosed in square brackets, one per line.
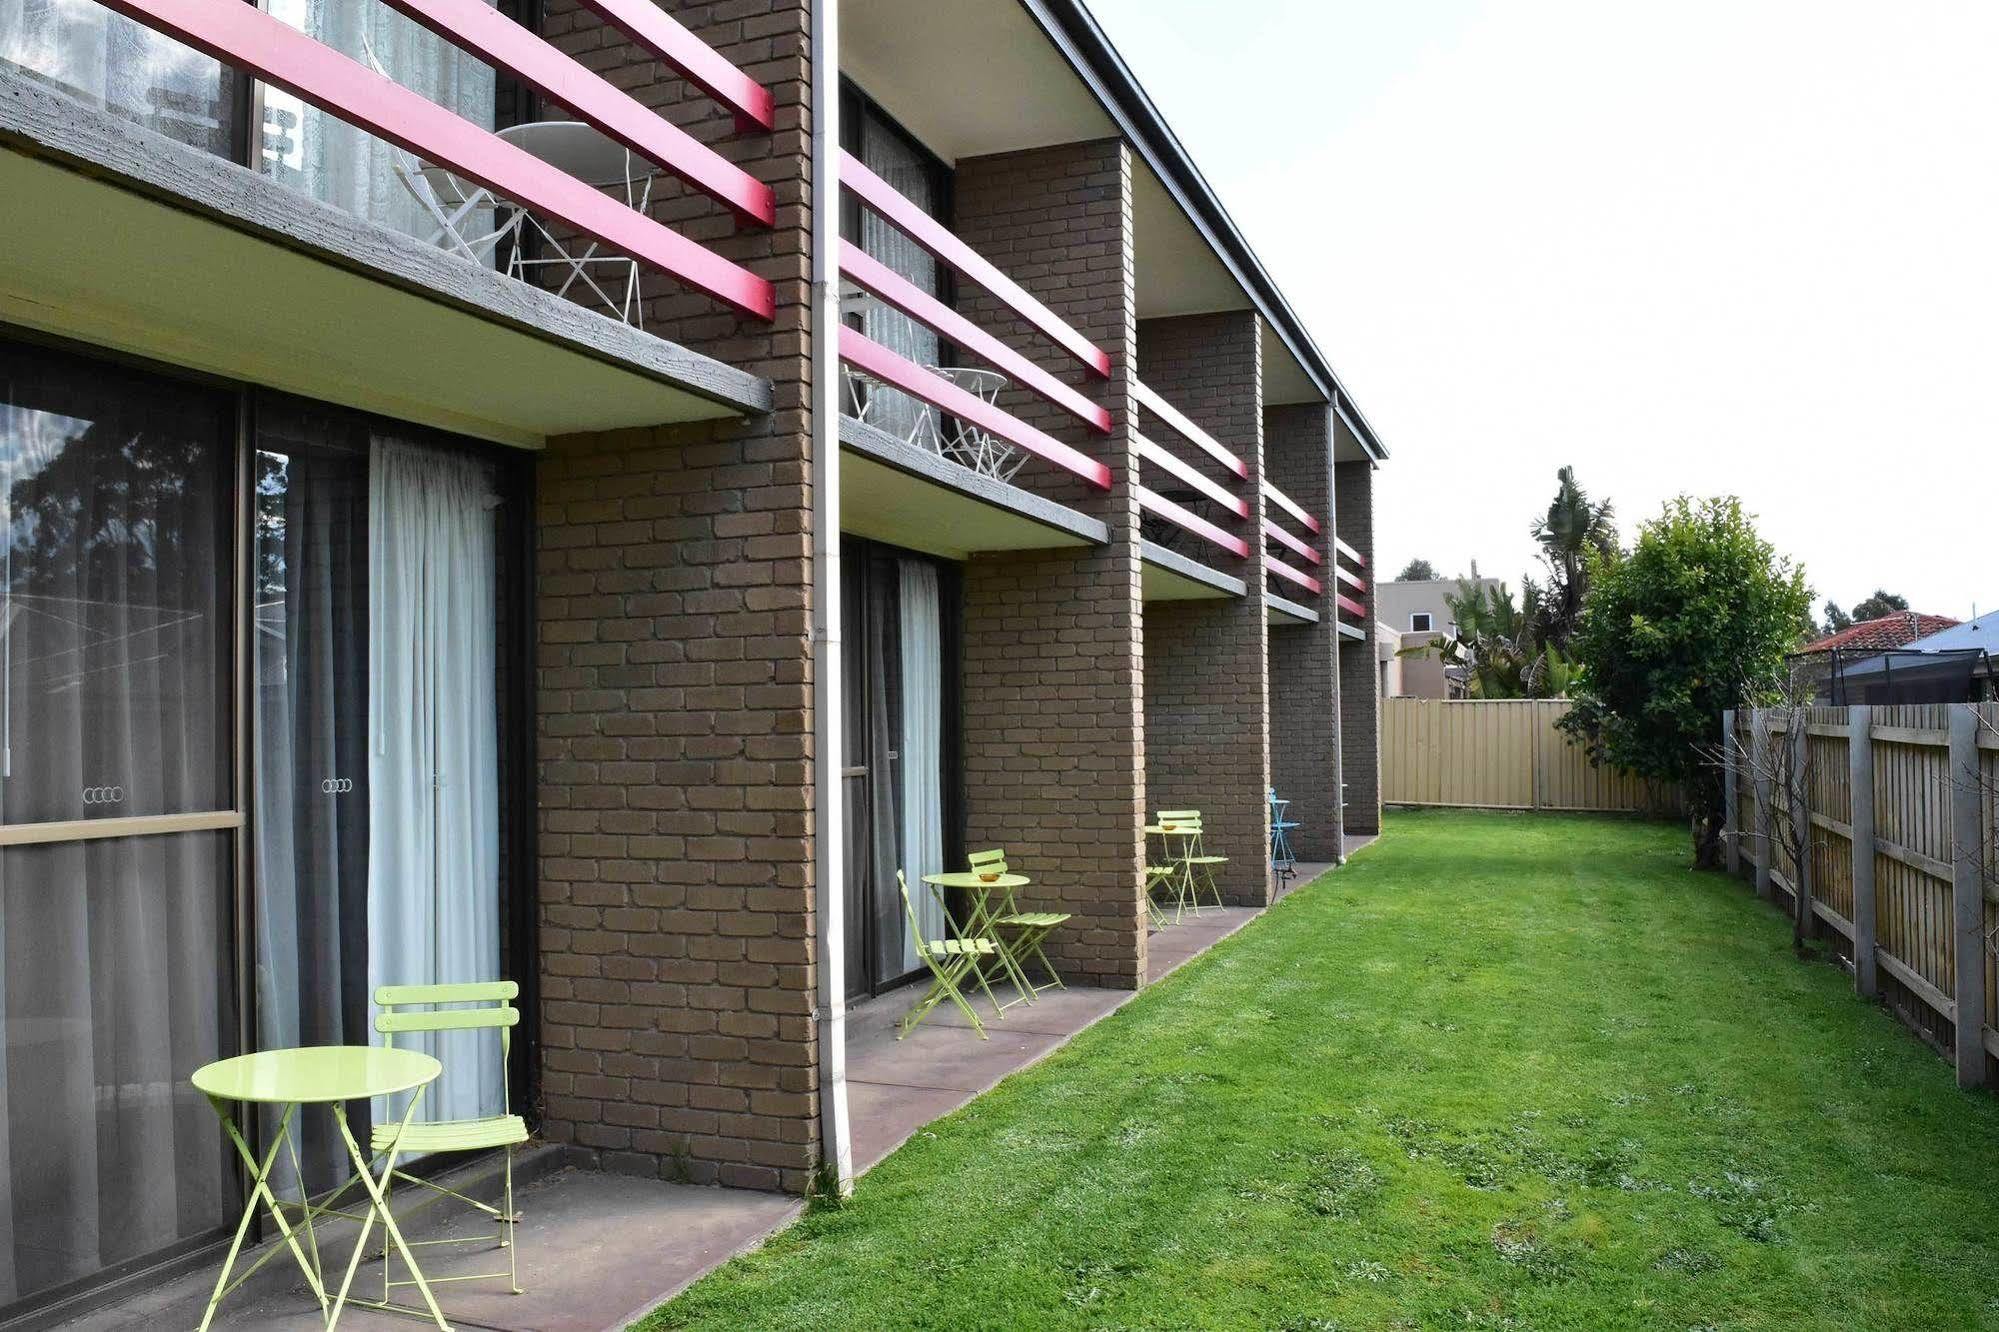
[245, 37]
[1344, 554]
[1150, 454]
[924, 384]
[1276, 565]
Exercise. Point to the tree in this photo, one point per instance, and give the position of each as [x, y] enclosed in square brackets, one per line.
[1836, 619]
[1697, 619]
[1573, 530]
[1417, 571]
[1881, 603]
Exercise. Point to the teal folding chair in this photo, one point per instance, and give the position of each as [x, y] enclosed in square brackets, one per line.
[505, 1131]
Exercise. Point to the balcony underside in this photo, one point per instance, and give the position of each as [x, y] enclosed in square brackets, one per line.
[1171, 576]
[1283, 610]
[1353, 631]
[893, 492]
[126, 239]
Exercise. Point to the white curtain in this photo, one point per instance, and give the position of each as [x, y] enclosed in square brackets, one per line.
[887, 155]
[921, 649]
[333, 161]
[112, 62]
[433, 746]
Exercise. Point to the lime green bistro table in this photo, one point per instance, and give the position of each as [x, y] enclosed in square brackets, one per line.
[329, 1075]
[979, 924]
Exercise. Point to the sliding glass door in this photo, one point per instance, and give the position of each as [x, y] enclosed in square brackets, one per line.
[377, 738]
[165, 540]
[900, 679]
[115, 799]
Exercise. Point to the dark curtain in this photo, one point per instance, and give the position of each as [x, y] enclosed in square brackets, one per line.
[115, 703]
[311, 762]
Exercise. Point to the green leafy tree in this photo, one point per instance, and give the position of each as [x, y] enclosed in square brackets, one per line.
[1497, 647]
[1883, 602]
[1417, 571]
[1697, 619]
[1836, 619]
[1574, 529]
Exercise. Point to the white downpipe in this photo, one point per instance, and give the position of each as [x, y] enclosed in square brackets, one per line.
[836, 1143]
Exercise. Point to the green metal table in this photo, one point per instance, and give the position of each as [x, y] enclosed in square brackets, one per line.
[329, 1075]
[979, 923]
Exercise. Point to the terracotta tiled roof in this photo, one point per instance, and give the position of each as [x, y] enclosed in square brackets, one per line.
[1890, 631]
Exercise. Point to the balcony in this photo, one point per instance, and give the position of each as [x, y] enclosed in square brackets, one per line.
[1290, 585]
[1352, 609]
[929, 458]
[1187, 498]
[168, 250]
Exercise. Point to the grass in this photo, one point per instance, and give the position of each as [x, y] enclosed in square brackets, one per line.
[1499, 1072]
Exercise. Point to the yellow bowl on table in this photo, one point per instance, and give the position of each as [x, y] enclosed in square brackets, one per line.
[989, 878]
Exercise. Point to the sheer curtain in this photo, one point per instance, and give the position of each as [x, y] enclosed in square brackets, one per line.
[433, 748]
[330, 159]
[113, 952]
[922, 654]
[889, 156]
[110, 61]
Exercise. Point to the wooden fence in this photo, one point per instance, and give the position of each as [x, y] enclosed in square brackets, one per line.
[1500, 754]
[1902, 877]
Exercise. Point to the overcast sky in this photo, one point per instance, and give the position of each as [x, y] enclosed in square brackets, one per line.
[1747, 247]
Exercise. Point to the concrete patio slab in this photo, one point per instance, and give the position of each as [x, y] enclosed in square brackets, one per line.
[596, 1251]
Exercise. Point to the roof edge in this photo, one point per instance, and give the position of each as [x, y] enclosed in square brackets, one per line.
[1083, 42]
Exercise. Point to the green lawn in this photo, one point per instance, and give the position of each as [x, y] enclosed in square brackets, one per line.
[1499, 1072]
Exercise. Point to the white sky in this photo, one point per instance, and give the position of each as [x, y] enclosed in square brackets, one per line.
[1745, 247]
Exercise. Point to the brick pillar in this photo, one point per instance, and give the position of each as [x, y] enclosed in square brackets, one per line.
[1053, 736]
[1360, 677]
[1304, 658]
[1207, 669]
[675, 720]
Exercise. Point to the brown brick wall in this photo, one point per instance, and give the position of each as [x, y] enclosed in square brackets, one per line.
[1207, 719]
[1053, 737]
[1304, 658]
[1360, 677]
[675, 704]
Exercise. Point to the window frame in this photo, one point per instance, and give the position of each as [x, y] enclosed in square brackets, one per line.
[1429, 625]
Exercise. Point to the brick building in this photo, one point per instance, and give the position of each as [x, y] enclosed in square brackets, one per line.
[532, 562]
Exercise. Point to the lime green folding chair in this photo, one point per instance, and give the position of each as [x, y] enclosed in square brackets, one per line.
[1155, 876]
[950, 962]
[1029, 928]
[505, 1130]
[1199, 864]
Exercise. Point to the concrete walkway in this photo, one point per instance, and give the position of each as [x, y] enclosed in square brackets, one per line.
[599, 1250]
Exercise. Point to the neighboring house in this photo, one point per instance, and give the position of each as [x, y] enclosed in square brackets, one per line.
[1388, 657]
[1889, 631]
[1418, 610]
[376, 613]
[1954, 664]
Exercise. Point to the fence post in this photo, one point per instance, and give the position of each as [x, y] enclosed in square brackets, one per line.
[1799, 798]
[1967, 896]
[1860, 785]
[1731, 815]
[1759, 749]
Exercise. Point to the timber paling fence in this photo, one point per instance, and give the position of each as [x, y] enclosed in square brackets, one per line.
[1902, 804]
[1489, 753]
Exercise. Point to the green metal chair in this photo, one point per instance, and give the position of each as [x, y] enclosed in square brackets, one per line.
[1029, 929]
[505, 1131]
[950, 962]
[1194, 855]
[1155, 877]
